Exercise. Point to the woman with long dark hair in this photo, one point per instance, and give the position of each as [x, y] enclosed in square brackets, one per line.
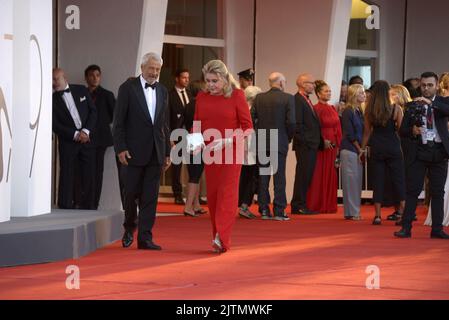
[382, 121]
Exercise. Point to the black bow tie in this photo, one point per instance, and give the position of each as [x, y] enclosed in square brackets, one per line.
[153, 86]
[64, 91]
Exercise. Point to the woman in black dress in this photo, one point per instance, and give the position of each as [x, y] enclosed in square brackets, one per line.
[382, 120]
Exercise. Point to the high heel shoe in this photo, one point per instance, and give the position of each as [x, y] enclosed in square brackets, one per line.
[200, 211]
[377, 221]
[216, 244]
[190, 214]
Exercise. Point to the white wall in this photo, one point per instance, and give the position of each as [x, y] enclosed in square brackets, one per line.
[6, 61]
[239, 30]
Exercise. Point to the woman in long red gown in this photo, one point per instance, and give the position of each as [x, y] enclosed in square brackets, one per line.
[322, 194]
[222, 107]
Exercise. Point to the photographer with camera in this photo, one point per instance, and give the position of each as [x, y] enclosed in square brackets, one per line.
[426, 124]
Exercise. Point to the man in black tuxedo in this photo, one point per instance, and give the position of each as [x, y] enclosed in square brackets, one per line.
[102, 138]
[74, 122]
[428, 151]
[142, 142]
[306, 142]
[274, 110]
[178, 98]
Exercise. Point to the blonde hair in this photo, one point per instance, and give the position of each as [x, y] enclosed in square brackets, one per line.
[353, 91]
[403, 95]
[218, 68]
[444, 84]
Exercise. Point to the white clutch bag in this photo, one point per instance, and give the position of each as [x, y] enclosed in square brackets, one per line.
[194, 140]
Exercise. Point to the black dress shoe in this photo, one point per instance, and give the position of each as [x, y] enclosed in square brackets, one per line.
[439, 235]
[179, 200]
[203, 202]
[403, 233]
[127, 239]
[305, 211]
[148, 245]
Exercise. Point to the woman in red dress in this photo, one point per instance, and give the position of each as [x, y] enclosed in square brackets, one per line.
[322, 194]
[222, 109]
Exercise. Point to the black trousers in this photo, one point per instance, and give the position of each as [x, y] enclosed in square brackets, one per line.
[305, 165]
[176, 178]
[121, 180]
[247, 185]
[99, 169]
[395, 166]
[77, 176]
[434, 161]
[142, 183]
[280, 198]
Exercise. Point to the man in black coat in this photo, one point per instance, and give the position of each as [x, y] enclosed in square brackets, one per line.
[427, 149]
[74, 122]
[102, 138]
[178, 98]
[274, 110]
[306, 143]
[142, 142]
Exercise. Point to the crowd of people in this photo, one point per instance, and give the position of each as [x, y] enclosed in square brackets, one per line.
[400, 129]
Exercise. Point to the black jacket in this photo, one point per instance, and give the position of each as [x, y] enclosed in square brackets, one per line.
[177, 110]
[133, 129]
[275, 109]
[410, 143]
[308, 129]
[105, 102]
[63, 124]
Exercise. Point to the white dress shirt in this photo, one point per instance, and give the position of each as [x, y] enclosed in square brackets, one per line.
[71, 106]
[179, 91]
[150, 97]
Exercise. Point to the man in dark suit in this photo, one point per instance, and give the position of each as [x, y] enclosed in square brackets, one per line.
[274, 110]
[178, 98]
[306, 142]
[427, 150]
[102, 138]
[142, 142]
[74, 122]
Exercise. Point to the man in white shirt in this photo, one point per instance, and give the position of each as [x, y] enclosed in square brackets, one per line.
[74, 119]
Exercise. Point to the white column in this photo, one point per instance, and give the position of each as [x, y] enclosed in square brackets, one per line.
[6, 61]
[21, 111]
[336, 51]
[152, 29]
[31, 116]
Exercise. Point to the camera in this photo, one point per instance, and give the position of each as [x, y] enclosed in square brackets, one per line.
[417, 112]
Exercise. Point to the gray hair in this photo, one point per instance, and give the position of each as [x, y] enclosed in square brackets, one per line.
[251, 92]
[276, 78]
[152, 56]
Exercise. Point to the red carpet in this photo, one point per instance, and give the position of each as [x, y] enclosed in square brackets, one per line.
[316, 257]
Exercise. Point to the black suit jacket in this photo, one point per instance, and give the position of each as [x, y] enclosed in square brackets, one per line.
[177, 110]
[63, 124]
[410, 143]
[308, 129]
[105, 103]
[133, 129]
[275, 109]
